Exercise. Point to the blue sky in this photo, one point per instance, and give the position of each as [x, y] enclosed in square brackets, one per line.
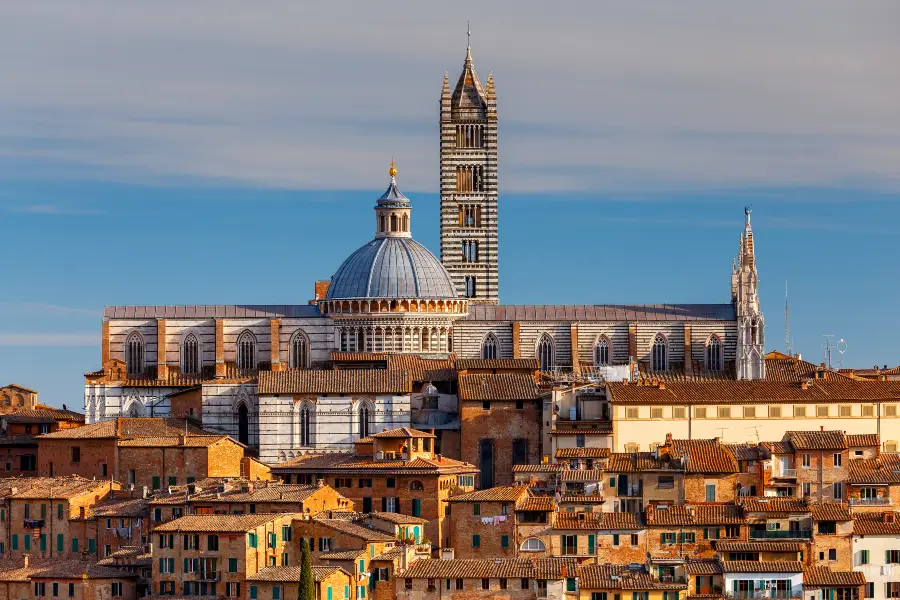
[214, 153]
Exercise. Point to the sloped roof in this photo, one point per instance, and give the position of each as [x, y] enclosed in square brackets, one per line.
[699, 514]
[350, 528]
[774, 505]
[785, 368]
[596, 521]
[509, 493]
[397, 518]
[831, 511]
[39, 488]
[618, 577]
[219, 311]
[817, 440]
[363, 381]
[602, 312]
[706, 456]
[128, 427]
[824, 577]
[772, 546]
[206, 491]
[221, 523]
[402, 433]
[43, 415]
[124, 507]
[338, 462]
[755, 566]
[858, 440]
[500, 364]
[459, 568]
[753, 392]
[586, 452]
[876, 523]
[292, 574]
[499, 386]
[38, 568]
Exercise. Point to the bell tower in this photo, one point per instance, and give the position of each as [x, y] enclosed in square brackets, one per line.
[750, 360]
[469, 185]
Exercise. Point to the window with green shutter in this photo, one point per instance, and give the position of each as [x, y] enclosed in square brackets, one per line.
[571, 585]
[346, 591]
[15, 541]
[330, 596]
[74, 544]
[361, 593]
[43, 511]
[504, 541]
[3, 514]
[273, 540]
[27, 539]
[232, 565]
[252, 592]
[251, 540]
[476, 541]
[362, 565]
[60, 542]
[416, 507]
[276, 592]
[592, 544]
[155, 480]
[172, 481]
[59, 511]
[92, 545]
[863, 557]
[476, 509]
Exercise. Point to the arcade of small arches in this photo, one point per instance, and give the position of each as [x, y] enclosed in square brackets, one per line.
[469, 178]
[16, 400]
[411, 305]
[395, 338]
[394, 222]
[470, 136]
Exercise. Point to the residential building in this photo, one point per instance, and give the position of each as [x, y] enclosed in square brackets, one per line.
[876, 552]
[483, 523]
[29, 578]
[616, 581]
[743, 579]
[823, 583]
[17, 397]
[280, 583]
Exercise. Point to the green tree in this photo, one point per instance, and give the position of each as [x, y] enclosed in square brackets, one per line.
[306, 590]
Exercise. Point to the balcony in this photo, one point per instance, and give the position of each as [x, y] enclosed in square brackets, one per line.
[672, 579]
[33, 523]
[776, 534]
[870, 501]
[631, 491]
[208, 576]
[784, 474]
[764, 594]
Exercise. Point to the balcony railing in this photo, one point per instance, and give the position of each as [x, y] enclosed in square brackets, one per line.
[785, 474]
[780, 534]
[672, 579]
[764, 594]
[208, 575]
[632, 491]
[870, 501]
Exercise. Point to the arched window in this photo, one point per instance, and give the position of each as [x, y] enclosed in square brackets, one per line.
[545, 352]
[365, 421]
[190, 355]
[416, 486]
[393, 222]
[659, 355]
[246, 351]
[470, 287]
[713, 354]
[532, 545]
[134, 354]
[601, 352]
[299, 351]
[383, 223]
[306, 418]
[406, 223]
[243, 422]
[490, 347]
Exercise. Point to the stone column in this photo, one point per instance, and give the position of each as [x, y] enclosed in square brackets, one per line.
[573, 338]
[104, 343]
[162, 369]
[515, 340]
[688, 361]
[275, 343]
[220, 348]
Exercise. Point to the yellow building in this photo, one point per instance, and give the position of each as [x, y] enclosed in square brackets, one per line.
[616, 582]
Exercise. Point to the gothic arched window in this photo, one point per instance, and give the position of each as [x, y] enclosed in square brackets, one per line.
[545, 352]
[601, 352]
[365, 421]
[134, 354]
[190, 355]
[713, 354]
[299, 351]
[470, 287]
[306, 418]
[659, 355]
[246, 351]
[416, 486]
[490, 347]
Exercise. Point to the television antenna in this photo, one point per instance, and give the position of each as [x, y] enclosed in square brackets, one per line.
[826, 345]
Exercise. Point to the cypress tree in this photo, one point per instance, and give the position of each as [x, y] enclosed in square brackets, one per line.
[306, 590]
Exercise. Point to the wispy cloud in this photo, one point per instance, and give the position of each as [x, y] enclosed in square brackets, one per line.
[44, 309]
[62, 339]
[50, 209]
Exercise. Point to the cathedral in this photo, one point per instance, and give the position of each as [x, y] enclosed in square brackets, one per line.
[380, 344]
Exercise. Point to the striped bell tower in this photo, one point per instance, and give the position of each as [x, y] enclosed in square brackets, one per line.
[469, 185]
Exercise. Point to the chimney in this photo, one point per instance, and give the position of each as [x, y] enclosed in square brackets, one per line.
[144, 492]
[804, 385]
[118, 427]
[662, 385]
[26, 560]
[563, 572]
[888, 517]
[821, 428]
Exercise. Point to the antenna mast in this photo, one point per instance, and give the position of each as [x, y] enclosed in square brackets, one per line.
[787, 330]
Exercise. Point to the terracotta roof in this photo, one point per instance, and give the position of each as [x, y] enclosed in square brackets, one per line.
[509, 493]
[634, 462]
[394, 553]
[618, 577]
[816, 440]
[222, 523]
[19, 440]
[363, 381]
[703, 566]
[358, 356]
[422, 369]
[191, 441]
[46, 415]
[402, 433]
[341, 555]
[582, 452]
[774, 546]
[706, 456]
[699, 514]
[602, 428]
[536, 503]
[190, 311]
[292, 574]
[500, 386]
[773, 505]
[137, 554]
[397, 518]
[601, 312]
[458, 568]
[125, 507]
[581, 475]
[872, 372]
[128, 428]
[824, 577]
[875, 523]
[355, 530]
[782, 367]
[547, 468]
[596, 521]
[570, 498]
[831, 511]
[857, 440]
[206, 492]
[746, 451]
[752, 392]
[780, 447]
[501, 364]
[336, 462]
[755, 566]
[39, 488]
[15, 570]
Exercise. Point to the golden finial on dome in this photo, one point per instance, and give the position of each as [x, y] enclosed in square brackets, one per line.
[393, 170]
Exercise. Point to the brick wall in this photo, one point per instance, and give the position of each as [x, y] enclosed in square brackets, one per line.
[465, 524]
[503, 423]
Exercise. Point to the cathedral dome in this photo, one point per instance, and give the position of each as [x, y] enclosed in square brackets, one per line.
[391, 267]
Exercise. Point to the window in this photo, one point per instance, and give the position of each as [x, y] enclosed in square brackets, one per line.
[306, 418]
[486, 405]
[545, 352]
[821, 411]
[710, 492]
[571, 584]
[634, 539]
[892, 590]
[656, 412]
[837, 490]
[579, 441]
[390, 482]
[212, 542]
[868, 410]
[666, 482]
[116, 589]
[253, 593]
[838, 459]
[520, 452]
[134, 354]
[476, 509]
[470, 251]
[678, 412]
[490, 347]
[700, 412]
[252, 540]
[688, 537]
[71, 590]
[659, 354]
[601, 352]
[246, 351]
[807, 488]
[40, 589]
[470, 287]
[711, 533]
[724, 412]
[800, 411]
[76, 454]
[365, 421]
[774, 412]
[190, 355]
[667, 538]
[476, 541]
[827, 527]
[631, 413]
[805, 459]
[416, 507]
[485, 584]
[532, 545]
[504, 541]
[569, 545]
[870, 590]
[890, 446]
[713, 354]
[749, 412]
[846, 410]
[890, 410]
[598, 595]
[891, 557]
